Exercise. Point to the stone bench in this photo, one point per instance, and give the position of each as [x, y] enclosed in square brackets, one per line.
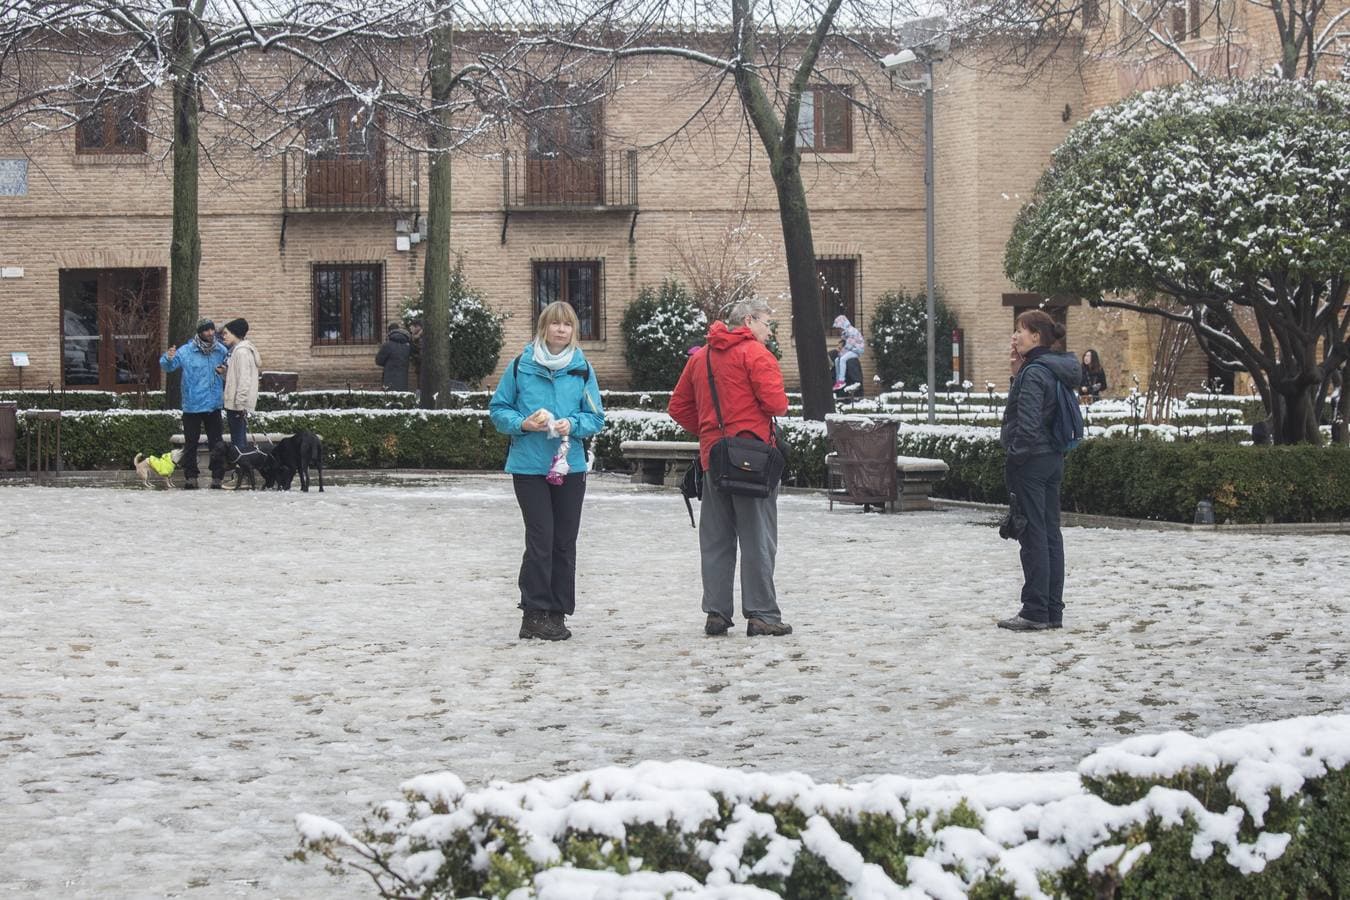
[914, 475]
[659, 462]
[204, 452]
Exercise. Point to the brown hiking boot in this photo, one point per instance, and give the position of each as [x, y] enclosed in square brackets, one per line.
[716, 625]
[756, 627]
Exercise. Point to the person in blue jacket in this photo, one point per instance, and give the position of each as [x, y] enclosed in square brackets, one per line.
[548, 398]
[200, 360]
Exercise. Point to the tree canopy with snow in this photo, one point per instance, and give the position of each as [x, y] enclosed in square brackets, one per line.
[1223, 206]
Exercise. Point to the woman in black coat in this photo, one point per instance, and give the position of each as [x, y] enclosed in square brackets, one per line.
[1034, 469]
[393, 356]
[1094, 376]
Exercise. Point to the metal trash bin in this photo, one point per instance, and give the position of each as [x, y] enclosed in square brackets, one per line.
[9, 435]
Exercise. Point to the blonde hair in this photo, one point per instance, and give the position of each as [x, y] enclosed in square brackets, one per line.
[557, 311]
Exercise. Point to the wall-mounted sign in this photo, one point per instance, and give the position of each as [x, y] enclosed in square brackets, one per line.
[13, 177]
[19, 359]
[11, 272]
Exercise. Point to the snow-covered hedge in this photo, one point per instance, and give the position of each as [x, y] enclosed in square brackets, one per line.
[1261, 811]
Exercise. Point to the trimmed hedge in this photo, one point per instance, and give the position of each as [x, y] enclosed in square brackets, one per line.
[1152, 480]
[369, 439]
[1260, 811]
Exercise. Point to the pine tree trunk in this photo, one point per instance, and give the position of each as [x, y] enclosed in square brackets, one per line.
[435, 356]
[185, 249]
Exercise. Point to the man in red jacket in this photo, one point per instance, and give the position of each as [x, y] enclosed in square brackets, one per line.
[750, 393]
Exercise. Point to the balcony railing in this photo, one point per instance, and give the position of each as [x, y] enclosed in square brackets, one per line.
[386, 181]
[600, 182]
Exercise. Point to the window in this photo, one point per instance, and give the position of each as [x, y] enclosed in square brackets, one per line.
[344, 148]
[825, 120]
[565, 150]
[1092, 13]
[838, 290]
[578, 283]
[347, 303]
[115, 125]
[1185, 19]
[110, 328]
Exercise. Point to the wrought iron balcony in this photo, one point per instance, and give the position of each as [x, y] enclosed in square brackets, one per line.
[604, 181]
[383, 181]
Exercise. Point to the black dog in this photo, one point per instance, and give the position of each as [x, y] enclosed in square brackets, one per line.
[295, 455]
[251, 463]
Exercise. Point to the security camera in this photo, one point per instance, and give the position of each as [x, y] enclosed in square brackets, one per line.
[896, 60]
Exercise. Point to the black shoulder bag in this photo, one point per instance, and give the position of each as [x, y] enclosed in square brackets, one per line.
[741, 465]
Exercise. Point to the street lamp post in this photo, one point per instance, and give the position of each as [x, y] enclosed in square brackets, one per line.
[928, 42]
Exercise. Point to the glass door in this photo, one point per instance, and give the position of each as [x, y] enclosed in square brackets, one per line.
[110, 328]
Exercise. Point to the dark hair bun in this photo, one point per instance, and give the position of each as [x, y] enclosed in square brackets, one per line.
[1058, 331]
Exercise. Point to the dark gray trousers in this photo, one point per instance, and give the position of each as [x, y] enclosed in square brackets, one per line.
[1036, 483]
[552, 514]
[725, 520]
[193, 424]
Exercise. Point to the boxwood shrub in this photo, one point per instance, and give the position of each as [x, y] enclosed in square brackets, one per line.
[1260, 811]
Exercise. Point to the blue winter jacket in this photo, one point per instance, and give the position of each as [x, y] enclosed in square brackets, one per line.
[572, 393]
[203, 389]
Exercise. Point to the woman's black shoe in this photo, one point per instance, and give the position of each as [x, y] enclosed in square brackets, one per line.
[536, 624]
[560, 620]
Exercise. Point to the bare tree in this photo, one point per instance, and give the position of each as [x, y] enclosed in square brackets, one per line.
[774, 55]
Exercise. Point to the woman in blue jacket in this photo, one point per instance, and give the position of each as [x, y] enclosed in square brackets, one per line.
[547, 397]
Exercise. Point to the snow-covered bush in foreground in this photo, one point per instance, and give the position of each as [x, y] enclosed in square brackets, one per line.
[1262, 811]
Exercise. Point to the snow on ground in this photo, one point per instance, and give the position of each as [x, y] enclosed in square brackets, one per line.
[170, 698]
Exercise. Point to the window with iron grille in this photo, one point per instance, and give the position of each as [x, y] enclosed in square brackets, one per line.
[839, 289]
[348, 303]
[825, 120]
[576, 282]
[115, 125]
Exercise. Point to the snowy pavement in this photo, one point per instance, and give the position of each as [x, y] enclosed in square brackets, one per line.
[172, 697]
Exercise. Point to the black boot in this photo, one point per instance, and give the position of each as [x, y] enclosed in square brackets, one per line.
[536, 624]
[559, 620]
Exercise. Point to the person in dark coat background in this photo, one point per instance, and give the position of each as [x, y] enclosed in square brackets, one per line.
[1035, 466]
[393, 357]
[1094, 376]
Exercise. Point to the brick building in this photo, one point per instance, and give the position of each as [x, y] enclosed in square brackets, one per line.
[318, 251]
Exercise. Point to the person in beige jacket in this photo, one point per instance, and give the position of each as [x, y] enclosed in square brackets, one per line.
[241, 380]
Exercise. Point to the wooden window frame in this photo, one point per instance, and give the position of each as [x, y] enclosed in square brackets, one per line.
[854, 282]
[818, 123]
[1185, 24]
[111, 111]
[597, 268]
[345, 339]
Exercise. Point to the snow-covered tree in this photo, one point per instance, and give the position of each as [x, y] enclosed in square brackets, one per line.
[1230, 201]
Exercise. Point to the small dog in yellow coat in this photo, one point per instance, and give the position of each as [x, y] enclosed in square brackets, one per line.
[162, 465]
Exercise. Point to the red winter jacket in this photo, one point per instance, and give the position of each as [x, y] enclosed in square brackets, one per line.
[749, 388]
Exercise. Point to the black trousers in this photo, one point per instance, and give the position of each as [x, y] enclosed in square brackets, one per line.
[552, 514]
[193, 423]
[1036, 483]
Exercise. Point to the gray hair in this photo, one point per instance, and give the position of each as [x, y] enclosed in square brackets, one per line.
[750, 306]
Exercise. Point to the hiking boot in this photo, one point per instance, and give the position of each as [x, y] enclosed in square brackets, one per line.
[559, 620]
[716, 625]
[189, 484]
[536, 624]
[1017, 623]
[216, 484]
[756, 627]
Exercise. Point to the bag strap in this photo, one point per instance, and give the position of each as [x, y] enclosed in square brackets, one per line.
[712, 386]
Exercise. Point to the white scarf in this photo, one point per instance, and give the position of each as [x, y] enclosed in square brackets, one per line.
[554, 362]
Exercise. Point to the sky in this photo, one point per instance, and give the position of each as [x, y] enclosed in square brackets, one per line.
[181, 675]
